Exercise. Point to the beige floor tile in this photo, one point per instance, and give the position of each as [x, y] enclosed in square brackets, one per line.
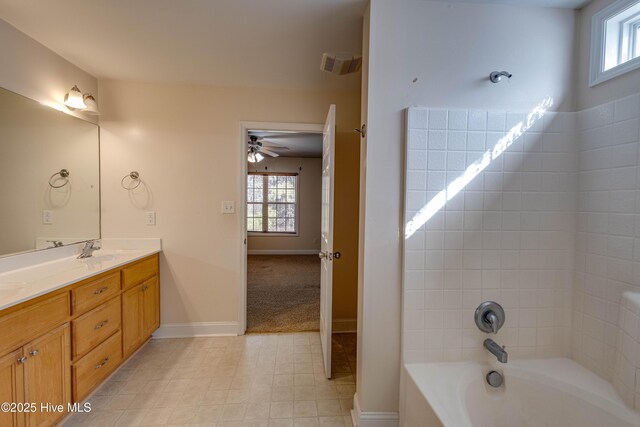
[157, 417]
[282, 393]
[257, 411]
[132, 417]
[331, 422]
[305, 408]
[208, 414]
[283, 422]
[305, 422]
[304, 393]
[329, 407]
[234, 412]
[282, 409]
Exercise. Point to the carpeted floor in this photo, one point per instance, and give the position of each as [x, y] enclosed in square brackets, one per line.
[283, 293]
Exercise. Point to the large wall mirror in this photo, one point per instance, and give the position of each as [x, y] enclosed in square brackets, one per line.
[49, 176]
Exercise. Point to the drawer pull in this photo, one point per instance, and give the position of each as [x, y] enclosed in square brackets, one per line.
[101, 324]
[145, 287]
[34, 352]
[101, 290]
[101, 364]
[22, 360]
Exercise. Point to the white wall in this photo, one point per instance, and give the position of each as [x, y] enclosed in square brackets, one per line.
[608, 237]
[505, 236]
[185, 141]
[309, 172]
[618, 87]
[34, 71]
[450, 49]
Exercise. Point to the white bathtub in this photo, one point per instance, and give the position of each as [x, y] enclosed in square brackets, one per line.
[542, 392]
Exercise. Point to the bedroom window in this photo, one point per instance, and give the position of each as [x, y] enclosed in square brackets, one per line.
[615, 41]
[272, 203]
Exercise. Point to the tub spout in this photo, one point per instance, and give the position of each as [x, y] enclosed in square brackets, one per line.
[499, 352]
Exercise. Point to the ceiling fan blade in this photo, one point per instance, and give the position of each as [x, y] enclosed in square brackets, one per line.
[269, 153]
[273, 144]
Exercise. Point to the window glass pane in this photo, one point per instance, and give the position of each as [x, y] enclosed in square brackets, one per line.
[281, 199]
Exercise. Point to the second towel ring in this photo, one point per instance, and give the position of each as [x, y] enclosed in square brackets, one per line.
[134, 176]
[64, 174]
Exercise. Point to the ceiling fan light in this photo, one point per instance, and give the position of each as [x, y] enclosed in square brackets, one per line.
[74, 99]
[259, 157]
[251, 157]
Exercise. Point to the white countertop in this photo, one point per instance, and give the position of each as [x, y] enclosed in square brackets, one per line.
[27, 276]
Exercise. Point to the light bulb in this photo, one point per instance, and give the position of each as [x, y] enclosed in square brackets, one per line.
[91, 105]
[74, 99]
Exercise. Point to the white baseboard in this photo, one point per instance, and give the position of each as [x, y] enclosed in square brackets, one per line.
[373, 419]
[196, 329]
[283, 252]
[344, 325]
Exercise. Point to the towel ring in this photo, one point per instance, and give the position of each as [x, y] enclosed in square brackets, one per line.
[135, 176]
[63, 174]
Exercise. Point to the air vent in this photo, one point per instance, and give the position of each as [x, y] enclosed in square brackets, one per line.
[341, 63]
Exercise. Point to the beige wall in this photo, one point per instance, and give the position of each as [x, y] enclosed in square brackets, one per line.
[610, 90]
[184, 140]
[345, 231]
[34, 71]
[309, 172]
[429, 41]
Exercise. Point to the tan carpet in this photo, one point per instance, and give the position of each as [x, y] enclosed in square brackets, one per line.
[283, 293]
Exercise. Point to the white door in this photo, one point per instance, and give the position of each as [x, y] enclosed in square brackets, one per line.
[326, 246]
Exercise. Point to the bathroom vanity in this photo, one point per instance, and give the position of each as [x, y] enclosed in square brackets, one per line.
[67, 324]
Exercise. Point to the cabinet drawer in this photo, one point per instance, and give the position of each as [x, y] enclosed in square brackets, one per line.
[93, 327]
[32, 321]
[94, 293]
[139, 271]
[89, 371]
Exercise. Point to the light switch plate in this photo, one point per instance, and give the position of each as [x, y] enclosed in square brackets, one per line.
[228, 207]
[151, 218]
[47, 217]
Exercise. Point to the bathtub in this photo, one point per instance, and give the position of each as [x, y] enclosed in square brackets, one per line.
[541, 392]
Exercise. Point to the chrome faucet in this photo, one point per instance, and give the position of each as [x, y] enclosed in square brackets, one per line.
[494, 348]
[56, 243]
[89, 248]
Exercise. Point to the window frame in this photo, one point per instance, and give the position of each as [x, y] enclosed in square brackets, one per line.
[295, 233]
[598, 54]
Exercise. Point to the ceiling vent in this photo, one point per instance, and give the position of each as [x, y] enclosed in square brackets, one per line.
[341, 63]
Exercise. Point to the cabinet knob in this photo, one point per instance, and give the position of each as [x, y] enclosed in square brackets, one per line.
[34, 352]
[101, 364]
[22, 360]
[145, 287]
[101, 290]
[101, 324]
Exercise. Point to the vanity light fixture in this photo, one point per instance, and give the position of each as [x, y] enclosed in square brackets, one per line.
[92, 105]
[74, 99]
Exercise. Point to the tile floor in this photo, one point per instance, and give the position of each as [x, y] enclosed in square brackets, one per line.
[252, 380]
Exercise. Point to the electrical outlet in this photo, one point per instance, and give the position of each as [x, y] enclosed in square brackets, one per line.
[47, 217]
[151, 218]
[228, 207]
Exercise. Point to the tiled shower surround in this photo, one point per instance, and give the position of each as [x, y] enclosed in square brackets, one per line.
[536, 210]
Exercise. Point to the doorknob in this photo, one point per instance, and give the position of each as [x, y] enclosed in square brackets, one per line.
[362, 130]
[322, 255]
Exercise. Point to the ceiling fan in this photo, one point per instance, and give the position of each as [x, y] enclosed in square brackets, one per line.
[259, 146]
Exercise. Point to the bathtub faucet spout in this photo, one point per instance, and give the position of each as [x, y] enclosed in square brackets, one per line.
[499, 352]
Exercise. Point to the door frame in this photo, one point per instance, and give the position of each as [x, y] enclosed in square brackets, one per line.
[245, 127]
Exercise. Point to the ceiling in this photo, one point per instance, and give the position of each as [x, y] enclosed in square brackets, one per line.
[297, 144]
[565, 4]
[256, 43]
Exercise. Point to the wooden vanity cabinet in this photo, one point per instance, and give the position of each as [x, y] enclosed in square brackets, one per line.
[37, 372]
[57, 348]
[140, 314]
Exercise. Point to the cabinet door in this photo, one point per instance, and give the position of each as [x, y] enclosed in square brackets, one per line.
[47, 375]
[151, 316]
[132, 315]
[11, 387]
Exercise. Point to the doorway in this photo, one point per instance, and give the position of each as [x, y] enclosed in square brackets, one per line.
[284, 188]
